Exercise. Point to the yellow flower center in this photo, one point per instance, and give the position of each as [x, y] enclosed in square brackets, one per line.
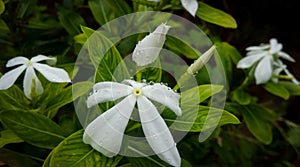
[137, 91]
[28, 63]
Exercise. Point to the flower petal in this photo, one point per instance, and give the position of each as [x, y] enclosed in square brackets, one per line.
[27, 82]
[157, 132]
[108, 91]
[148, 49]
[258, 48]
[191, 6]
[8, 79]
[134, 83]
[274, 46]
[263, 71]
[164, 95]
[41, 58]
[248, 61]
[51, 73]
[285, 56]
[294, 80]
[16, 61]
[105, 133]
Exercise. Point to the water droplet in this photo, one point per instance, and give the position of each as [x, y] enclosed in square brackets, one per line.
[144, 80]
[155, 137]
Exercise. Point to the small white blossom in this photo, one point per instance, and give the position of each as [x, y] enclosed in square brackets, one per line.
[50, 73]
[279, 67]
[105, 133]
[190, 5]
[148, 49]
[266, 54]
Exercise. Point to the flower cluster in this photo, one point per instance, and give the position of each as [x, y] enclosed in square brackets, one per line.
[269, 64]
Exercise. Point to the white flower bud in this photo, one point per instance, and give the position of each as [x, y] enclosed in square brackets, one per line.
[201, 61]
[148, 49]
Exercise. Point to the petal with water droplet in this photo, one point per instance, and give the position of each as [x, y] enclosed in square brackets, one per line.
[105, 133]
[108, 91]
[51, 73]
[164, 95]
[157, 132]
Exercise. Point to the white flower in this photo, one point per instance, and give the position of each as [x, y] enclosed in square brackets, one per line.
[191, 6]
[279, 67]
[148, 49]
[50, 73]
[265, 54]
[106, 132]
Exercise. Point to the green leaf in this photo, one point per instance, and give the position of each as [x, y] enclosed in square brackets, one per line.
[107, 10]
[13, 98]
[258, 126]
[14, 159]
[153, 73]
[277, 89]
[241, 96]
[293, 89]
[66, 96]
[198, 123]
[87, 31]
[3, 27]
[2, 7]
[215, 16]
[7, 137]
[70, 20]
[203, 92]
[181, 47]
[73, 152]
[33, 128]
[106, 58]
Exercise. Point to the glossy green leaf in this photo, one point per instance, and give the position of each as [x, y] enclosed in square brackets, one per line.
[71, 21]
[13, 98]
[260, 127]
[277, 89]
[293, 89]
[73, 152]
[107, 10]
[241, 96]
[33, 128]
[215, 16]
[203, 92]
[7, 137]
[2, 7]
[106, 59]
[198, 123]
[181, 47]
[14, 159]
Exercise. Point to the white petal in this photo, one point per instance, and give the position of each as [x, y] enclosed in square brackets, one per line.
[27, 82]
[148, 49]
[191, 6]
[8, 79]
[258, 48]
[41, 58]
[108, 91]
[51, 73]
[157, 132]
[285, 56]
[274, 46]
[105, 133]
[16, 61]
[134, 83]
[164, 95]
[294, 80]
[263, 71]
[248, 61]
